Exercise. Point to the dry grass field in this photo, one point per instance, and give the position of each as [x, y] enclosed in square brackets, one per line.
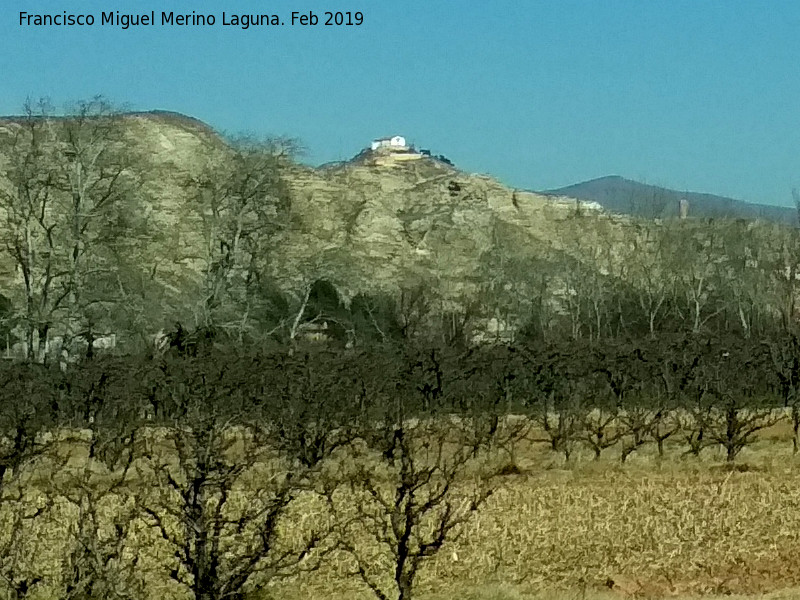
[680, 527]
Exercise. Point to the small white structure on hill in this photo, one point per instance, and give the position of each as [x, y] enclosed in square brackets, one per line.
[683, 208]
[397, 141]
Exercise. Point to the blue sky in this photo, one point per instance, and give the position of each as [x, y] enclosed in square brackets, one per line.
[694, 95]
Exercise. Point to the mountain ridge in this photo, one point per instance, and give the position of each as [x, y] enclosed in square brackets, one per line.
[618, 194]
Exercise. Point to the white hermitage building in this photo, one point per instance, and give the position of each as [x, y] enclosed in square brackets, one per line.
[397, 141]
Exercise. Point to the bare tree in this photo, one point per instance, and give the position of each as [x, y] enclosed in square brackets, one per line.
[408, 488]
[67, 181]
[693, 258]
[651, 280]
[18, 540]
[25, 447]
[23, 425]
[693, 424]
[785, 357]
[222, 500]
[100, 562]
[599, 427]
[556, 407]
[738, 412]
[663, 424]
[424, 502]
[414, 307]
[242, 201]
[516, 285]
[743, 276]
[102, 410]
[560, 422]
[636, 422]
[30, 219]
[783, 265]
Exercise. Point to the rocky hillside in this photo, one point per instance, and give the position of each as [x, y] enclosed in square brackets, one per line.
[374, 224]
[365, 223]
[418, 218]
[180, 225]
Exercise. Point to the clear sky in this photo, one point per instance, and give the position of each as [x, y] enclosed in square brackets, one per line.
[696, 95]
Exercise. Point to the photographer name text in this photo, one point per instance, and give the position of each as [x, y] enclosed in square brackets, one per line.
[193, 19]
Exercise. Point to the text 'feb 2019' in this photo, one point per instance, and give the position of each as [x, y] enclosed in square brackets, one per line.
[193, 19]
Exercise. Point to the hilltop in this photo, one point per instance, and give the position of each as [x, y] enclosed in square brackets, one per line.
[393, 219]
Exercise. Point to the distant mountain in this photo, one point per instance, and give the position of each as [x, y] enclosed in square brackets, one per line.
[619, 195]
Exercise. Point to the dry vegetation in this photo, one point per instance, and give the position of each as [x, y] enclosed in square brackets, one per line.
[336, 422]
[672, 527]
[676, 527]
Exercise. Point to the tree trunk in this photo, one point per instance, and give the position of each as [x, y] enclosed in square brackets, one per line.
[41, 346]
[404, 585]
